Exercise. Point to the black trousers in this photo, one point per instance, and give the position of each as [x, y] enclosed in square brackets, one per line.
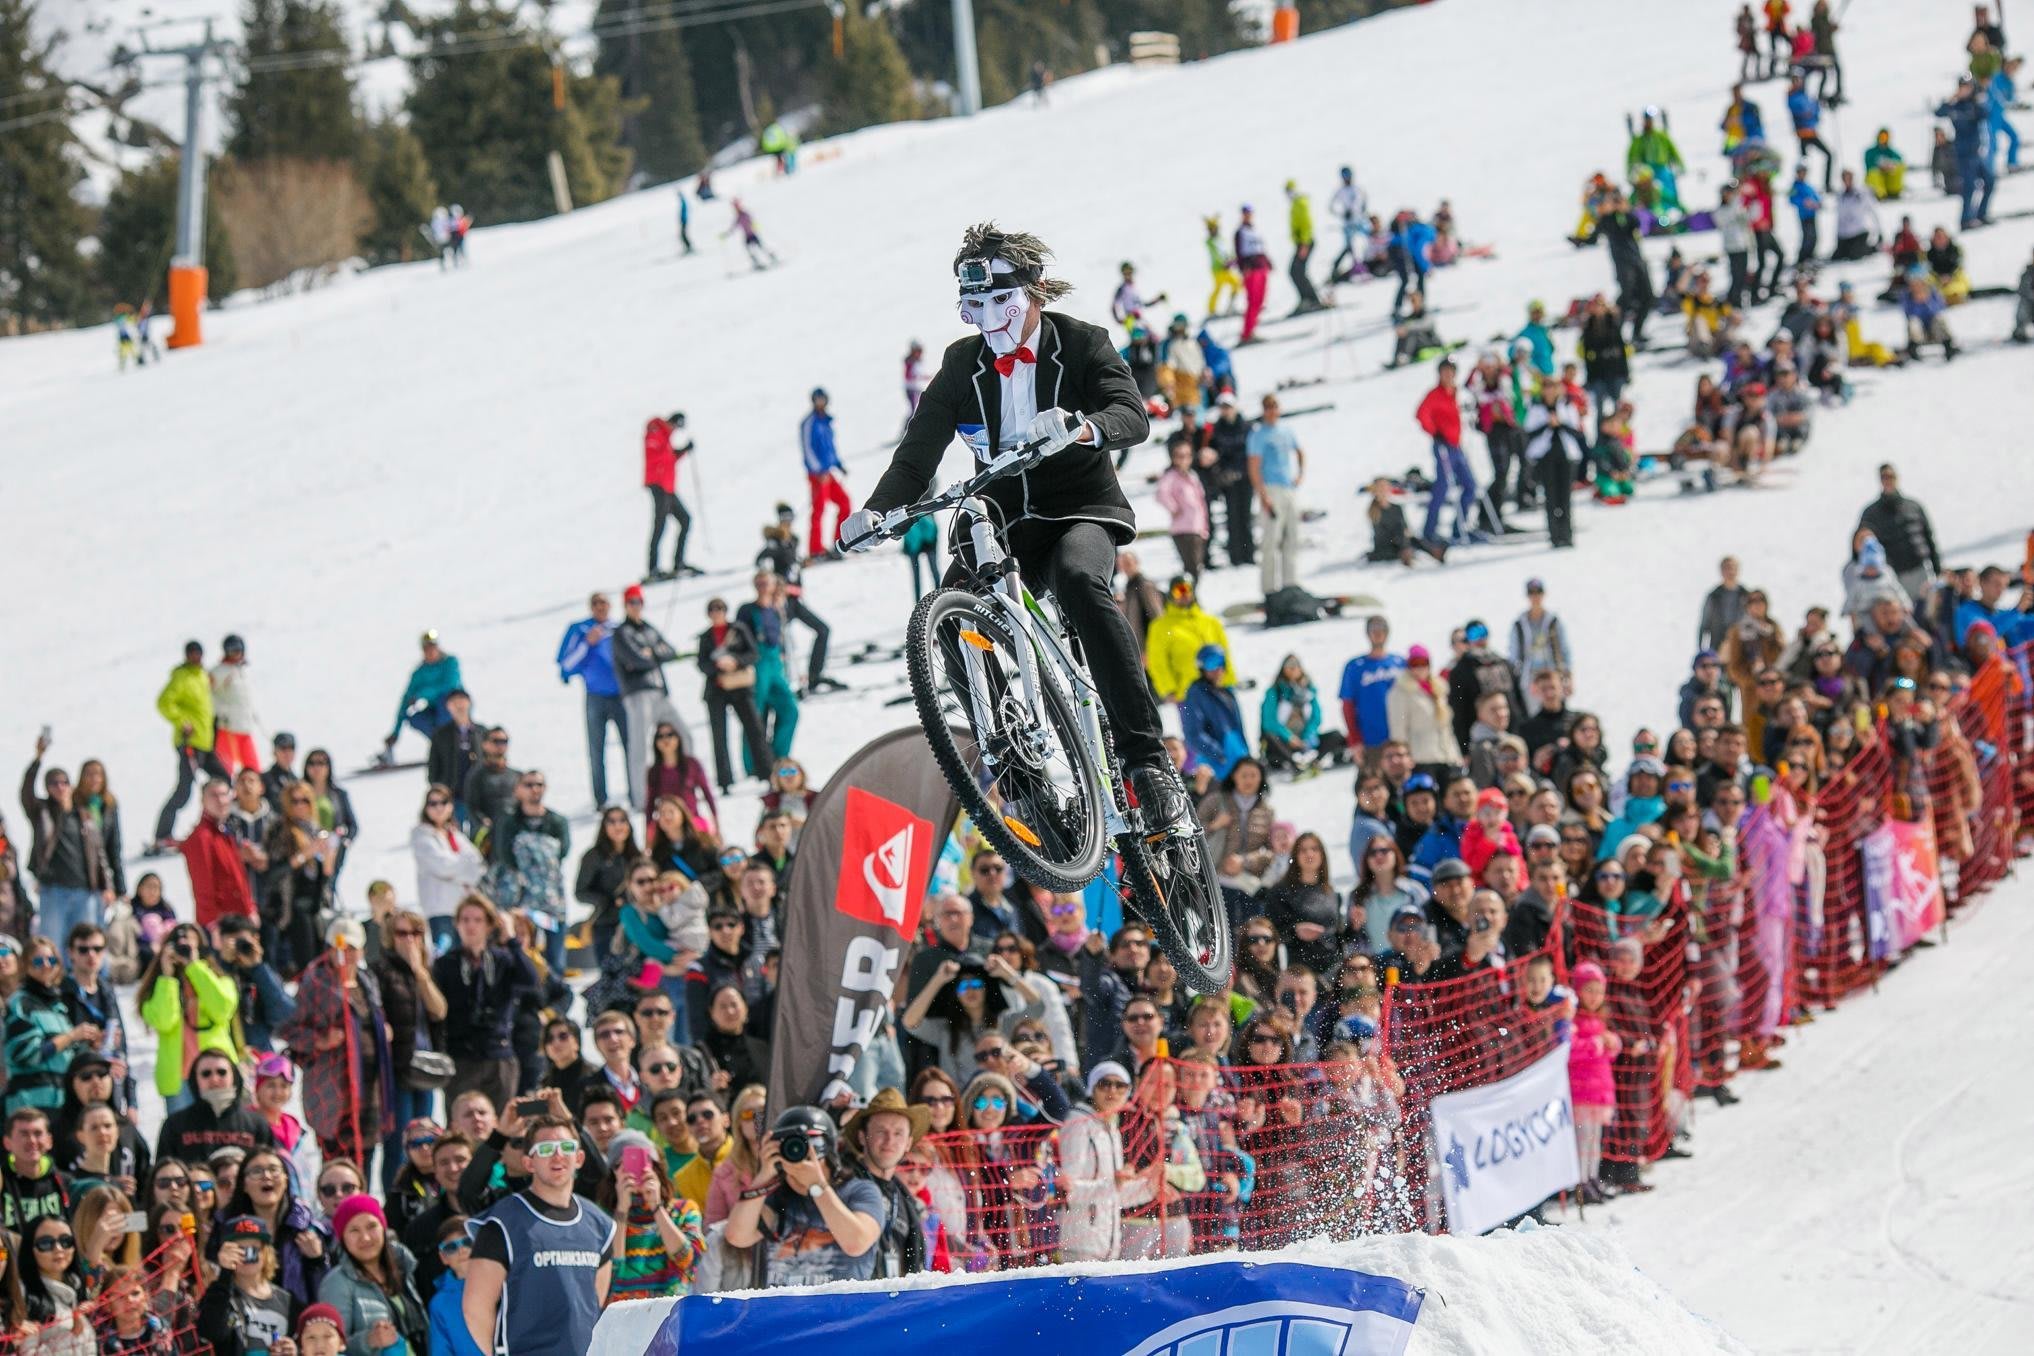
[1740, 279]
[1077, 563]
[815, 663]
[1240, 502]
[189, 760]
[742, 702]
[1635, 300]
[1764, 284]
[1810, 238]
[1557, 482]
[665, 505]
[1298, 273]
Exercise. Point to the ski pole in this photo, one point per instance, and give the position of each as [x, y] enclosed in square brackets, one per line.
[699, 497]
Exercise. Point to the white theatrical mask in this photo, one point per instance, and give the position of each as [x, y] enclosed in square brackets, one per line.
[999, 315]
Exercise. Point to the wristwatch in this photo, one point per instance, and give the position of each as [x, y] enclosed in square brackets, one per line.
[816, 1190]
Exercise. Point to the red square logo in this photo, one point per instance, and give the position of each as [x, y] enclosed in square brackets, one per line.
[885, 863]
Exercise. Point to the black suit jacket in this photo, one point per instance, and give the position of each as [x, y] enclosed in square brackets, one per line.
[1078, 370]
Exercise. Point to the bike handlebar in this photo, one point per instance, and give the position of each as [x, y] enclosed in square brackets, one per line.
[892, 524]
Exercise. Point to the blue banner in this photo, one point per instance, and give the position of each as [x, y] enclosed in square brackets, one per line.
[1214, 1309]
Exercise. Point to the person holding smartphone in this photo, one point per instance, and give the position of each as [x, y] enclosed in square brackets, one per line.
[244, 1312]
[513, 1305]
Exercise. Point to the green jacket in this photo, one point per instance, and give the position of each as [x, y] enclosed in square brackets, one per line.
[218, 999]
[186, 699]
[1654, 149]
[1301, 220]
[35, 1063]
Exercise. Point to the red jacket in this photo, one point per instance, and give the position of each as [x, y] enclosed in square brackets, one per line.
[660, 463]
[218, 881]
[1441, 417]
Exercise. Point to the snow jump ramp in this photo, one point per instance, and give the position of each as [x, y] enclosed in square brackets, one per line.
[1541, 1290]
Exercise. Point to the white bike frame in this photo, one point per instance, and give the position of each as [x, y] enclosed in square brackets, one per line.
[1036, 643]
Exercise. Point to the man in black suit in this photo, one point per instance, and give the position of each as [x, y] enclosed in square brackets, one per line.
[1033, 375]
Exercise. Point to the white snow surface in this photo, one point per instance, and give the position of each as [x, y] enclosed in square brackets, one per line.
[1539, 1290]
[332, 473]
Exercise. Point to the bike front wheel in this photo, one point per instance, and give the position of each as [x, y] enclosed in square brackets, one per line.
[1030, 781]
[1174, 890]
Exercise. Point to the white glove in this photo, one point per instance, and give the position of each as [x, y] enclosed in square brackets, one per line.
[858, 531]
[1054, 430]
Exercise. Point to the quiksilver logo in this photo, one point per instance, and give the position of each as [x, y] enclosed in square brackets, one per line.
[887, 871]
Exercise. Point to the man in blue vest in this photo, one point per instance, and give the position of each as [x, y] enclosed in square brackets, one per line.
[541, 1257]
[587, 653]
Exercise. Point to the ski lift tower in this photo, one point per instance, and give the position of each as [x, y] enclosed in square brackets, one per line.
[187, 277]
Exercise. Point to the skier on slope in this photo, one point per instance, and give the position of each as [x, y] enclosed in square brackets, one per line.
[1300, 225]
[1128, 305]
[665, 444]
[1252, 258]
[760, 255]
[1056, 381]
[1221, 268]
[1652, 148]
[422, 706]
[1351, 211]
[825, 476]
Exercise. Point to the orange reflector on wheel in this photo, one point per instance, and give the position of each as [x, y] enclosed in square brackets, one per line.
[977, 639]
[1018, 826]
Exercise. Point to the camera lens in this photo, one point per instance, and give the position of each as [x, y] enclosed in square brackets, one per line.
[794, 1148]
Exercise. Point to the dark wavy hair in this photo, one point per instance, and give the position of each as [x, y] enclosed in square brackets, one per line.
[986, 240]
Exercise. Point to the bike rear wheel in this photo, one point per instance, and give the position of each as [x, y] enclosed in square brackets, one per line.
[1174, 891]
[1030, 783]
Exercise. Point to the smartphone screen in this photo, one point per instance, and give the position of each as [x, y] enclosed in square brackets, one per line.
[137, 1222]
[635, 1161]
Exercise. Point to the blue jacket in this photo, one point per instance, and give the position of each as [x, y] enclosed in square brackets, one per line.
[815, 440]
[1283, 694]
[1970, 612]
[1220, 366]
[1925, 307]
[449, 1336]
[1969, 119]
[1543, 345]
[1749, 119]
[1805, 109]
[1807, 201]
[1637, 810]
[429, 683]
[1442, 840]
[593, 663]
[1414, 238]
[1212, 724]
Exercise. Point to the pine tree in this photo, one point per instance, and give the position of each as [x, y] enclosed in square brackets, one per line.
[44, 280]
[398, 182]
[305, 110]
[487, 124]
[660, 120]
[870, 83]
[138, 233]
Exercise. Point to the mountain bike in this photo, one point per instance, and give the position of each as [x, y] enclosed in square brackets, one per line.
[1032, 760]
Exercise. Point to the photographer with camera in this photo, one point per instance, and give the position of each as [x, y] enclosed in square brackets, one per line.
[814, 1232]
[189, 1004]
[264, 1003]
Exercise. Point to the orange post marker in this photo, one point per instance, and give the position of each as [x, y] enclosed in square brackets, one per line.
[187, 283]
[1284, 23]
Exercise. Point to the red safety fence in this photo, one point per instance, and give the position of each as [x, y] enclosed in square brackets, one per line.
[148, 1310]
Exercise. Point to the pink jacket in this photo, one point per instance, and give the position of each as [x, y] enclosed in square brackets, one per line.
[1180, 494]
[1589, 1076]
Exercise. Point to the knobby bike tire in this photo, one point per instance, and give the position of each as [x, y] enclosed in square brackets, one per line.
[1175, 893]
[1062, 874]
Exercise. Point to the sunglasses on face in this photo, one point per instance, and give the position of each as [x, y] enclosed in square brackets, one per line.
[726, 925]
[1140, 1017]
[1610, 875]
[661, 1067]
[989, 869]
[55, 1243]
[1112, 1085]
[1260, 939]
[1378, 852]
[408, 932]
[454, 1245]
[704, 1116]
[552, 1148]
[43, 962]
[89, 949]
[172, 1183]
[437, 803]
[561, 1034]
[653, 1012]
[330, 1190]
[1680, 786]
[788, 770]
[991, 1102]
[1265, 1040]
[663, 735]
[936, 1099]
[968, 986]
[995, 1052]
[1009, 949]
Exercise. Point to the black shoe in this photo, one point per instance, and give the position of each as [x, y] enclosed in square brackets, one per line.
[1161, 797]
[826, 683]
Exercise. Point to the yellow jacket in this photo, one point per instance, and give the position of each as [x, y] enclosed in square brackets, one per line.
[186, 699]
[1175, 637]
[217, 1000]
[1301, 220]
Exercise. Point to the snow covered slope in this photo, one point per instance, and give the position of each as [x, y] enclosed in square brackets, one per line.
[331, 474]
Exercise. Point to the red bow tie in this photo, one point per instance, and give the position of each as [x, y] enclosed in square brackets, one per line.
[1007, 364]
